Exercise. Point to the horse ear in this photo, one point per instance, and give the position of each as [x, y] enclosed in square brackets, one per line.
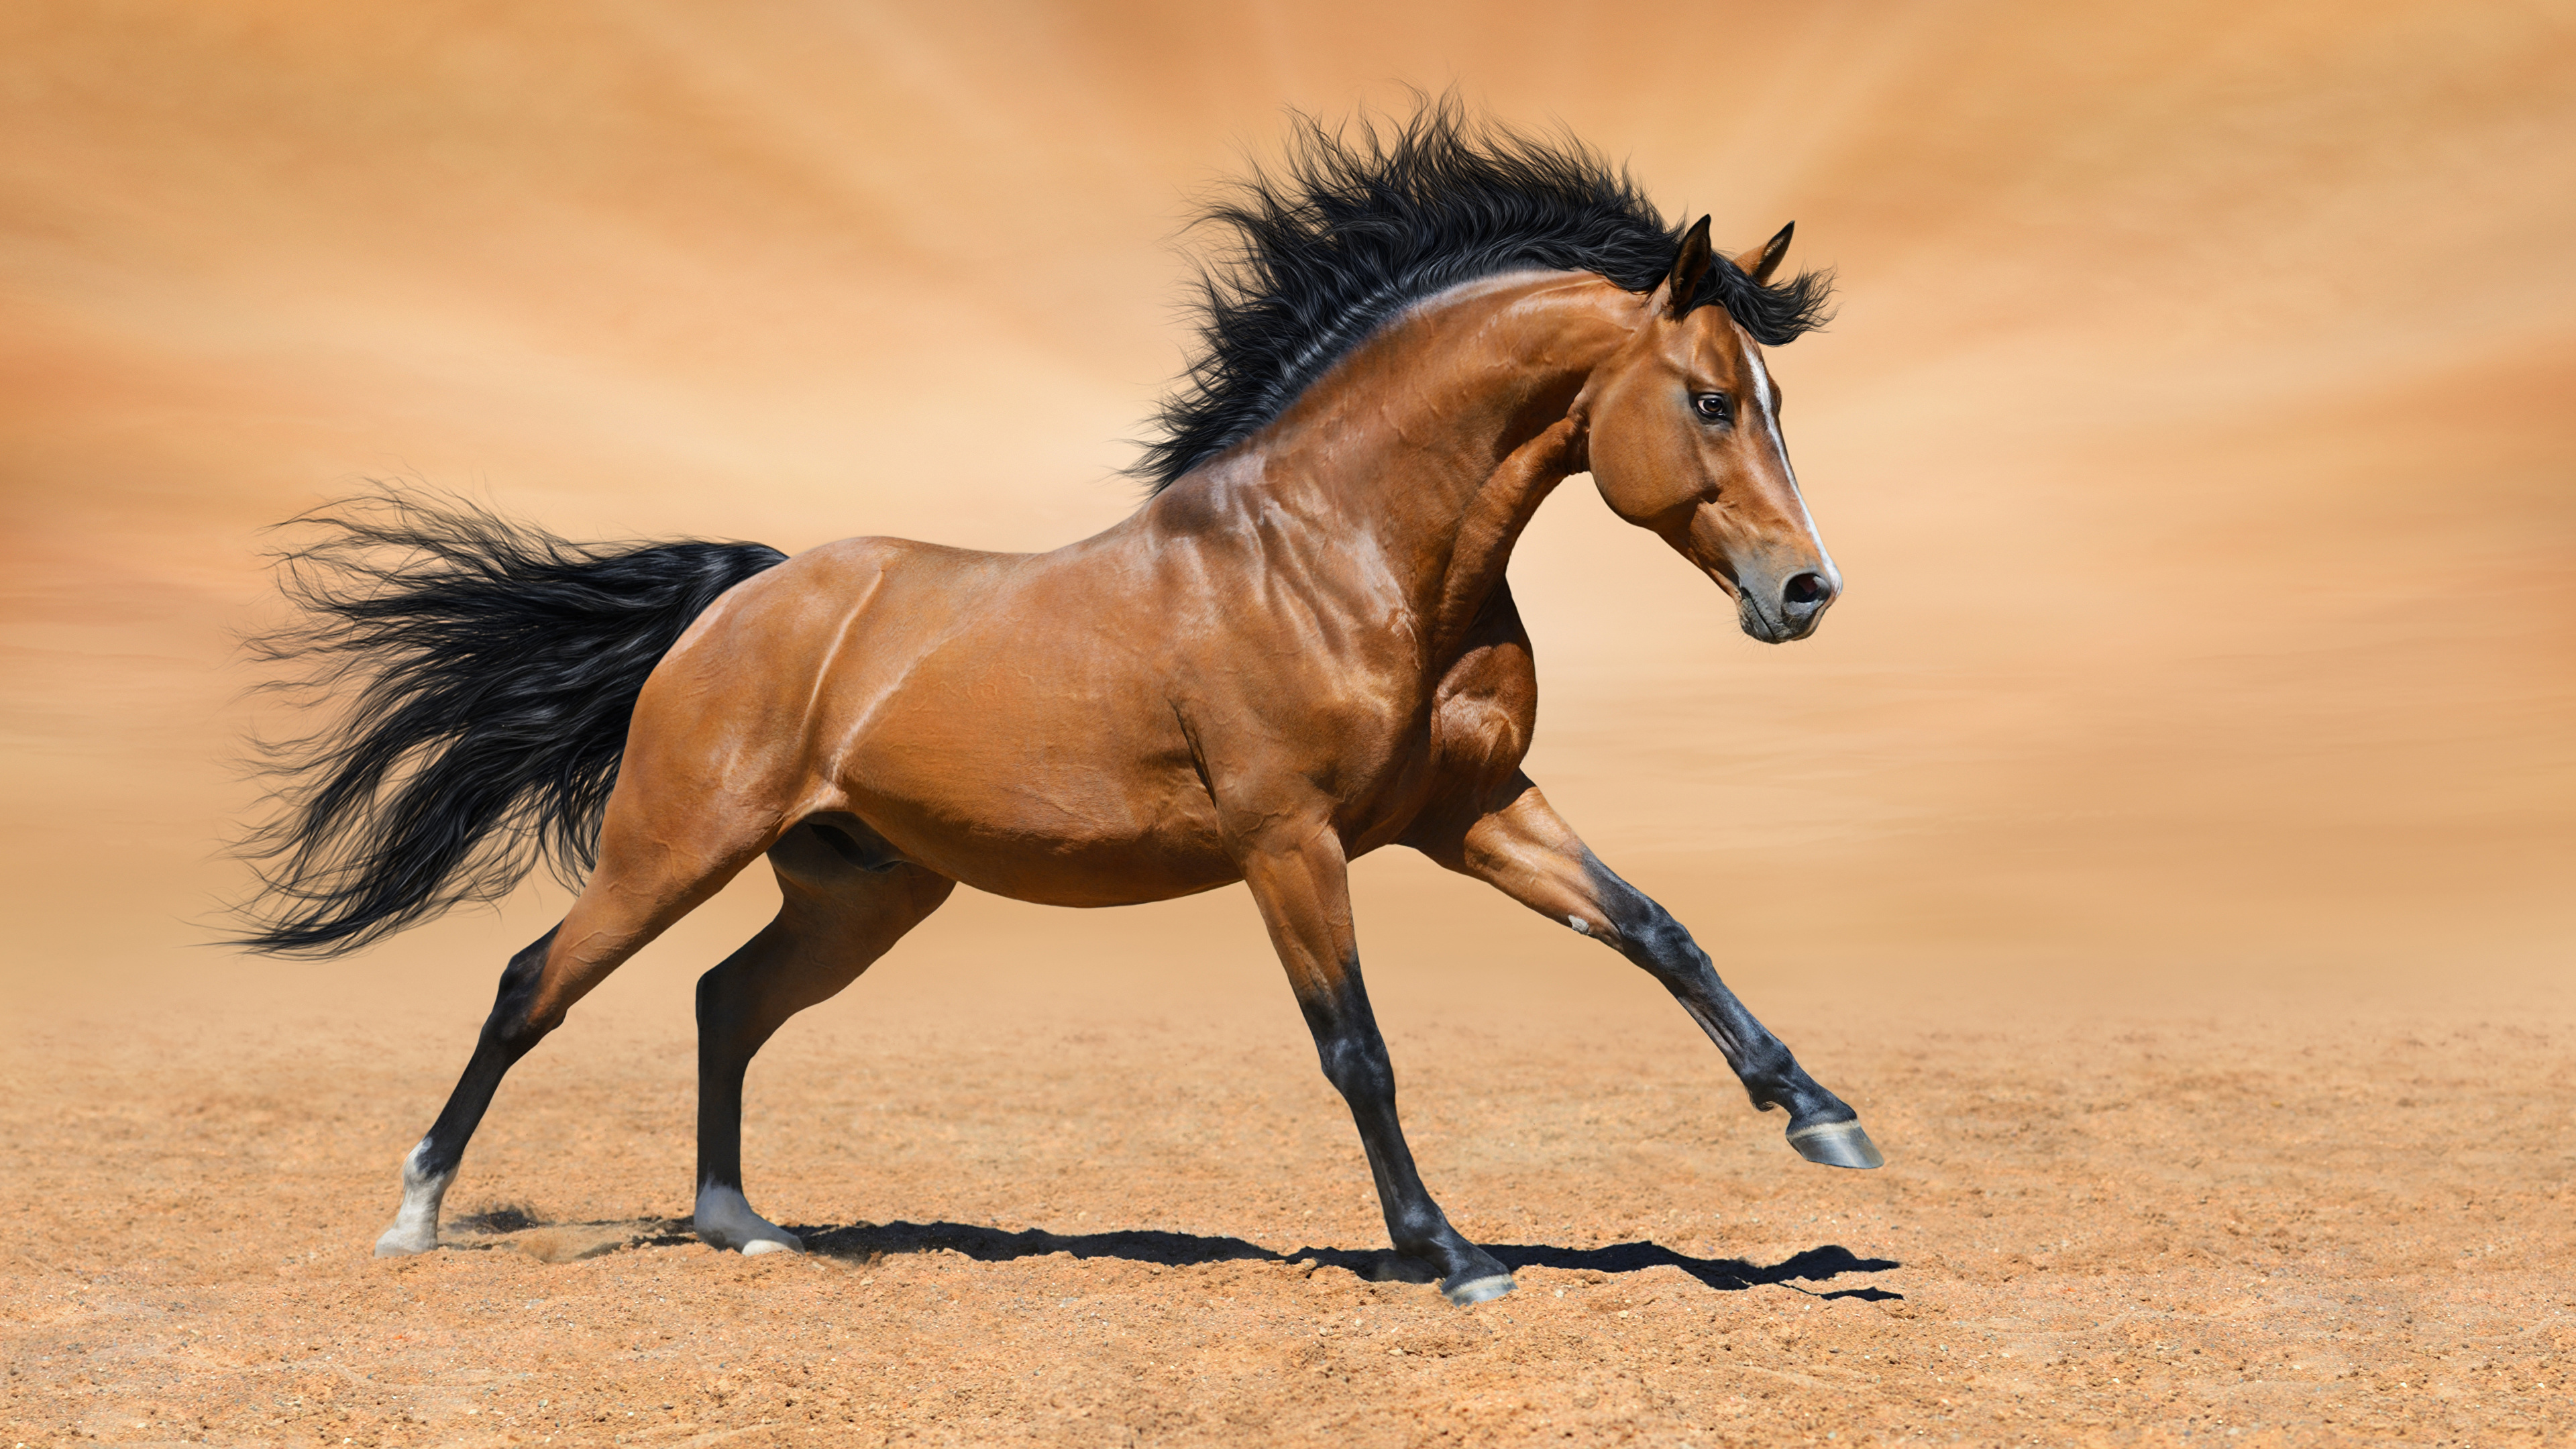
[1760, 263]
[1690, 272]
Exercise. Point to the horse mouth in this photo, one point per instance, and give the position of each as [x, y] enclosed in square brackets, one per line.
[1774, 627]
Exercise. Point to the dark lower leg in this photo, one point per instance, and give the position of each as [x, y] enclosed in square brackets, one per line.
[1299, 878]
[1525, 849]
[1821, 1126]
[835, 919]
[1355, 1062]
[741, 1004]
[509, 1033]
[732, 1027]
[1649, 936]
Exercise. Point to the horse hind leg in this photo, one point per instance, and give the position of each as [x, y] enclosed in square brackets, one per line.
[844, 902]
[508, 1034]
[633, 897]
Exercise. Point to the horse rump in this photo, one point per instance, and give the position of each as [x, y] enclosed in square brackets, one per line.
[483, 673]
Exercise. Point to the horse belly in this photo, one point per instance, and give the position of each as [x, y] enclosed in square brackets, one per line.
[1068, 838]
[1076, 794]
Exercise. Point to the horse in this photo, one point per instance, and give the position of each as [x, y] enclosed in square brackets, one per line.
[1299, 648]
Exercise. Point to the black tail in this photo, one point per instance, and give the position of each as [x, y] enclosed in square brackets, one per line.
[489, 671]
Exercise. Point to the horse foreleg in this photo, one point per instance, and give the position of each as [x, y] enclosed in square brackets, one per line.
[1527, 851]
[834, 920]
[1303, 890]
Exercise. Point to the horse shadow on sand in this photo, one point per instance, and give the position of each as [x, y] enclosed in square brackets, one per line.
[1175, 1250]
[523, 1229]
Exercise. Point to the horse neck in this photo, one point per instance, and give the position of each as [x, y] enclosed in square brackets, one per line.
[1435, 442]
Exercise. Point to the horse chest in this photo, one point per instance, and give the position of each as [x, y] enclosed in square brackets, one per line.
[1385, 749]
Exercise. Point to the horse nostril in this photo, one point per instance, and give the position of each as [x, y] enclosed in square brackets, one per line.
[1807, 589]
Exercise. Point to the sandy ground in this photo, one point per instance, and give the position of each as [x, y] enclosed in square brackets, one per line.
[2160, 1231]
[2167, 843]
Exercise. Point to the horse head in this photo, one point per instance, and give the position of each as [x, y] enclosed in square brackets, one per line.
[1682, 429]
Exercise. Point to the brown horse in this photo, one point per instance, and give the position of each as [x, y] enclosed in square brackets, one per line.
[1301, 648]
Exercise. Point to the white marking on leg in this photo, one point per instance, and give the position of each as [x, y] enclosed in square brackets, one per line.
[415, 1228]
[1580, 929]
[724, 1219]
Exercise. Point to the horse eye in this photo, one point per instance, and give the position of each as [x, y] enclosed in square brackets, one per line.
[1711, 406]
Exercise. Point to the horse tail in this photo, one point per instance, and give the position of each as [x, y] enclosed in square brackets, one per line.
[489, 670]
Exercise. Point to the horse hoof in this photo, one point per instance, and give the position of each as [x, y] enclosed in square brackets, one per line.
[1478, 1290]
[724, 1220]
[402, 1242]
[1836, 1144]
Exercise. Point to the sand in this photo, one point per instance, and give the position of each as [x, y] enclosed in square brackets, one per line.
[2166, 843]
[2156, 1233]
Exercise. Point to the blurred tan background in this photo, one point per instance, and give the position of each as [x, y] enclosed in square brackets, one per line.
[2195, 438]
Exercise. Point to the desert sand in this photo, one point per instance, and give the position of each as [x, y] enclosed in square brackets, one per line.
[2166, 844]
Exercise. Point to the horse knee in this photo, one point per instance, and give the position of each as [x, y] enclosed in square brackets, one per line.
[1358, 1067]
[1653, 938]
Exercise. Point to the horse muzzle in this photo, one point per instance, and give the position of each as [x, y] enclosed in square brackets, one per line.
[1778, 611]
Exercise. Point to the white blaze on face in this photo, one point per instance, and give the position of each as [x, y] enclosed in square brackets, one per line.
[1767, 397]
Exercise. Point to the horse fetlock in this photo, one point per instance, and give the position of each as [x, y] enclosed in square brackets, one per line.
[723, 1219]
[1424, 1232]
[1426, 1236]
[1773, 1080]
[415, 1228]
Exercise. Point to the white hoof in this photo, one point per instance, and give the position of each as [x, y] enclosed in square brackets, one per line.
[415, 1228]
[724, 1219]
[401, 1242]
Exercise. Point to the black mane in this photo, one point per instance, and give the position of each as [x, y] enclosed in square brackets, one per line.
[1359, 224]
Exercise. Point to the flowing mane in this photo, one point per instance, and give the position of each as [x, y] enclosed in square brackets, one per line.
[1360, 223]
